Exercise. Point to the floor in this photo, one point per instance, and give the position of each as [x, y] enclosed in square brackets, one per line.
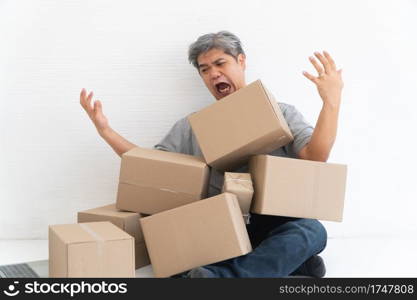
[347, 257]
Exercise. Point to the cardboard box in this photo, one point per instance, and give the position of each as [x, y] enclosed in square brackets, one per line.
[197, 234]
[298, 188]
[240, 184]
[152, 181]
[127, 221]
[98, 249]
[244, 123]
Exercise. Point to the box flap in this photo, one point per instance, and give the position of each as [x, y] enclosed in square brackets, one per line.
[111, 211]
[165, 156]
[89, 232]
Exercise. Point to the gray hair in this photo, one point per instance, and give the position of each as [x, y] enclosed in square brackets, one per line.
[224, 40]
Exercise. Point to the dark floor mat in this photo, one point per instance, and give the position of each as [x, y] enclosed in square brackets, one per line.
[17, 271]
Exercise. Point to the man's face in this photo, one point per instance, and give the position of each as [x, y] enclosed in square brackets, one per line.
[221, 73]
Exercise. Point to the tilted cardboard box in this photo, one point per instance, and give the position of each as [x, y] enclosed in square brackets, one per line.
[244, 123]
[298, 188]
[240, 184]
[197, 234]
[97, 249]
[152, 181]
[127, 221]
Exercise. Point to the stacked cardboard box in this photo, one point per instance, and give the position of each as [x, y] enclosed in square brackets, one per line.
[197, 234]
[127, 221]
[243, 124]
[298, 188]
[97, 249]
[241, 185]
[186, 229]
[152, 181]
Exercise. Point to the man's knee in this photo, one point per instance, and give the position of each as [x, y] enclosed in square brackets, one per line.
[316, 230]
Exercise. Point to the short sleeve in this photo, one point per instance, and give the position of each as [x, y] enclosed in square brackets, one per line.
[300, 129]
[176, 140]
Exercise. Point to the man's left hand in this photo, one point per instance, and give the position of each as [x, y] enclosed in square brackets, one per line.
[329, 80]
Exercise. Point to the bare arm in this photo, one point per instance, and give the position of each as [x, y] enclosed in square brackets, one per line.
[329, 84]
[118, 143]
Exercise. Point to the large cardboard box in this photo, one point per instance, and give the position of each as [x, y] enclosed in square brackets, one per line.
[197, 234]
[97, 249]
[298, 188]
[127, 221]
[152, 181]
[240, 184]
[244, 123]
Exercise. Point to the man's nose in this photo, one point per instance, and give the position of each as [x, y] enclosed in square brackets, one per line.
[214, 73]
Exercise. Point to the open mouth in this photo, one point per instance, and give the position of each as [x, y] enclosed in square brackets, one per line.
[223, 88]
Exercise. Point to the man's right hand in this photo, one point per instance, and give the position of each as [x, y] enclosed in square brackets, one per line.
[95, 112]
[119, 144]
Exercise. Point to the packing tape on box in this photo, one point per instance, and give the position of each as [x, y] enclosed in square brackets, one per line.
[241, 182]
[100, 244]
[168, 190]
[237, 179]
[155, 188]
[246, 218]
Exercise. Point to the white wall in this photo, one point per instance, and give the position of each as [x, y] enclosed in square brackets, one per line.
[133, 55]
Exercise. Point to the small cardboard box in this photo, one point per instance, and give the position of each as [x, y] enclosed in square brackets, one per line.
[98, 249]
[244, 123]
[127, 221]
[197, 234]
[240, 184]
[152, 181]
[298, 188]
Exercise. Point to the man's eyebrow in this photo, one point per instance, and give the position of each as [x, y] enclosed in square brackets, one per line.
[214, 62]
[218, 60]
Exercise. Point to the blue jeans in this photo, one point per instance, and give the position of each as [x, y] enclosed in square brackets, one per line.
[280, 246]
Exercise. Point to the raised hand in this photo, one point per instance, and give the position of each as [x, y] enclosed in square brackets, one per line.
[95, 112]
[329, 80]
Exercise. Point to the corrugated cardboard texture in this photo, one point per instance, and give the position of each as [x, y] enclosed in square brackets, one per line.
[127, 221]
[239, 184]
[196, 234]
[242, 124]
[97, 249]
[152, 181]
[298, 188]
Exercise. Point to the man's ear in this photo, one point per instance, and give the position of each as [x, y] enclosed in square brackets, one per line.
[241, 58]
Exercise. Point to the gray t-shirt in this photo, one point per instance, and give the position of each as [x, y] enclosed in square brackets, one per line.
[181, 139]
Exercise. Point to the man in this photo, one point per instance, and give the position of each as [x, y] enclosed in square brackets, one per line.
[282, 246]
